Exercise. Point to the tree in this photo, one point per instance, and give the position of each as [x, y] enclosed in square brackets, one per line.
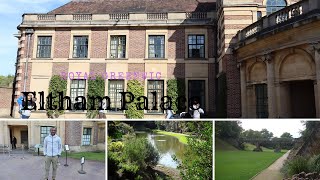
[197, 163]
[266, 134]
[286, 135]
[228, 129]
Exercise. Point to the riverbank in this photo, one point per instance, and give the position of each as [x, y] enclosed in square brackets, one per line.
[181, 137]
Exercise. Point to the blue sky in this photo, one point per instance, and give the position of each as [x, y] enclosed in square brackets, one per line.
[10, 17]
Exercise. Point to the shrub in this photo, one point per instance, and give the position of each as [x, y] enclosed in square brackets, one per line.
[135, 87]
[115, 146]
[56, 85]
[314, 164]
[296, 166]
[140, 152]
[96, 88]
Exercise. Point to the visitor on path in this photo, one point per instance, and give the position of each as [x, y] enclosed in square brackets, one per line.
[14, 142]
[20, 103]
[102, 112]
[196, 111]
[25, 114]
[52, 151]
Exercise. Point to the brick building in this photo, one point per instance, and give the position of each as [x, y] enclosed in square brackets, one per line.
[202, 42]
[79, 135]
[165, 39]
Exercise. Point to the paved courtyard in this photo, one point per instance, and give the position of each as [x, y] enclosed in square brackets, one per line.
[32, 168]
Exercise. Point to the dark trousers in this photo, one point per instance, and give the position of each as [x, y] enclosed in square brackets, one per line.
[14, 146]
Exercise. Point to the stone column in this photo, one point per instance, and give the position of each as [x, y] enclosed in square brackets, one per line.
[243, 83]
[272, 105]
[316, 47]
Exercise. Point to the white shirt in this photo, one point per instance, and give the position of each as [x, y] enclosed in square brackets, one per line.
[196, 113]
[52, 146]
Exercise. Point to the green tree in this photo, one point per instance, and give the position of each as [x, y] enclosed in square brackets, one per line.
[228, 129]
[197, 162]
[286, 135]
[175, 89]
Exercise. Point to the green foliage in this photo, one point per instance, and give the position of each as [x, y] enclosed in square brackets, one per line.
[131, 158]
[228, 129]
[314, 164]
[297, 165]
[116, 130]
[141, 152]
[197, 162]
[56, 85]
[135, 87]
[6, 81]
[286, 135]
[115, 146]
[222, 96]
[175, 89]
[96, 88]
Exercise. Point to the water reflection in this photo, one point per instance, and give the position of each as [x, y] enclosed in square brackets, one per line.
[166, 146]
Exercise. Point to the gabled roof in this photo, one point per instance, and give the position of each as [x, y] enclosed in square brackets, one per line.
[134, 6]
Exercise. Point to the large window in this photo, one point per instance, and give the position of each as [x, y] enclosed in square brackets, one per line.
[44, 132]
[118, 47]
[156, 47]
[86, 136]
[115, 87]
[197, 91]
[275, 5]
[78, 88]
[44, 47]
[196, 46]
[80, 47]
[158, 87]
[261, 101]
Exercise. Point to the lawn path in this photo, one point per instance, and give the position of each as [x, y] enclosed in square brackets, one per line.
[273, 171]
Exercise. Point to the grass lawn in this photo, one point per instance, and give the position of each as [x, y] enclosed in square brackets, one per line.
[95, 156]
[182, 137]
[242, 165]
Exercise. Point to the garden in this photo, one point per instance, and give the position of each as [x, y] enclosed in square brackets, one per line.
[160, 150]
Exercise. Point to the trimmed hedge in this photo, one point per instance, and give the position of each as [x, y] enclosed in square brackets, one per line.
[136, 88]
[96, 87]
[56, 85]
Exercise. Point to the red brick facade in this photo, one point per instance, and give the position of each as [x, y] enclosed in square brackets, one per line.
[233, 87]
[137, 39]
[99, 41]
[176, 43]
[73, 133]
[137, 67]
[62, 43]
[58, 68]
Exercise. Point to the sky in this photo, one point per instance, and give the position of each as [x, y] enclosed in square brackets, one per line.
[10, 17]
[276, 126]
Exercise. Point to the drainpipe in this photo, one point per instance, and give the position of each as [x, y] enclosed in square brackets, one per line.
[28, 32]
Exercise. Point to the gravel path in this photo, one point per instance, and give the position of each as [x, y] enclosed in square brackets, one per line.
[32, 168]
[273, 171]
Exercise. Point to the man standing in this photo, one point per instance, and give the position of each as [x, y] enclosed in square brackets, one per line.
[14, 142]
[52, 151]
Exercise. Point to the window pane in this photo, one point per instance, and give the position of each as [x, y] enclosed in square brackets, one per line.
[261, 101]
[115, 87]
[44, 47]
[155, 86]
[156, 47]
[80, 47]
[196, 46]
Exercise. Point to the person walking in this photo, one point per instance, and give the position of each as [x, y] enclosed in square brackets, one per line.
[14, 142]
[169, 114]
[25, 114]
[52, 151]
